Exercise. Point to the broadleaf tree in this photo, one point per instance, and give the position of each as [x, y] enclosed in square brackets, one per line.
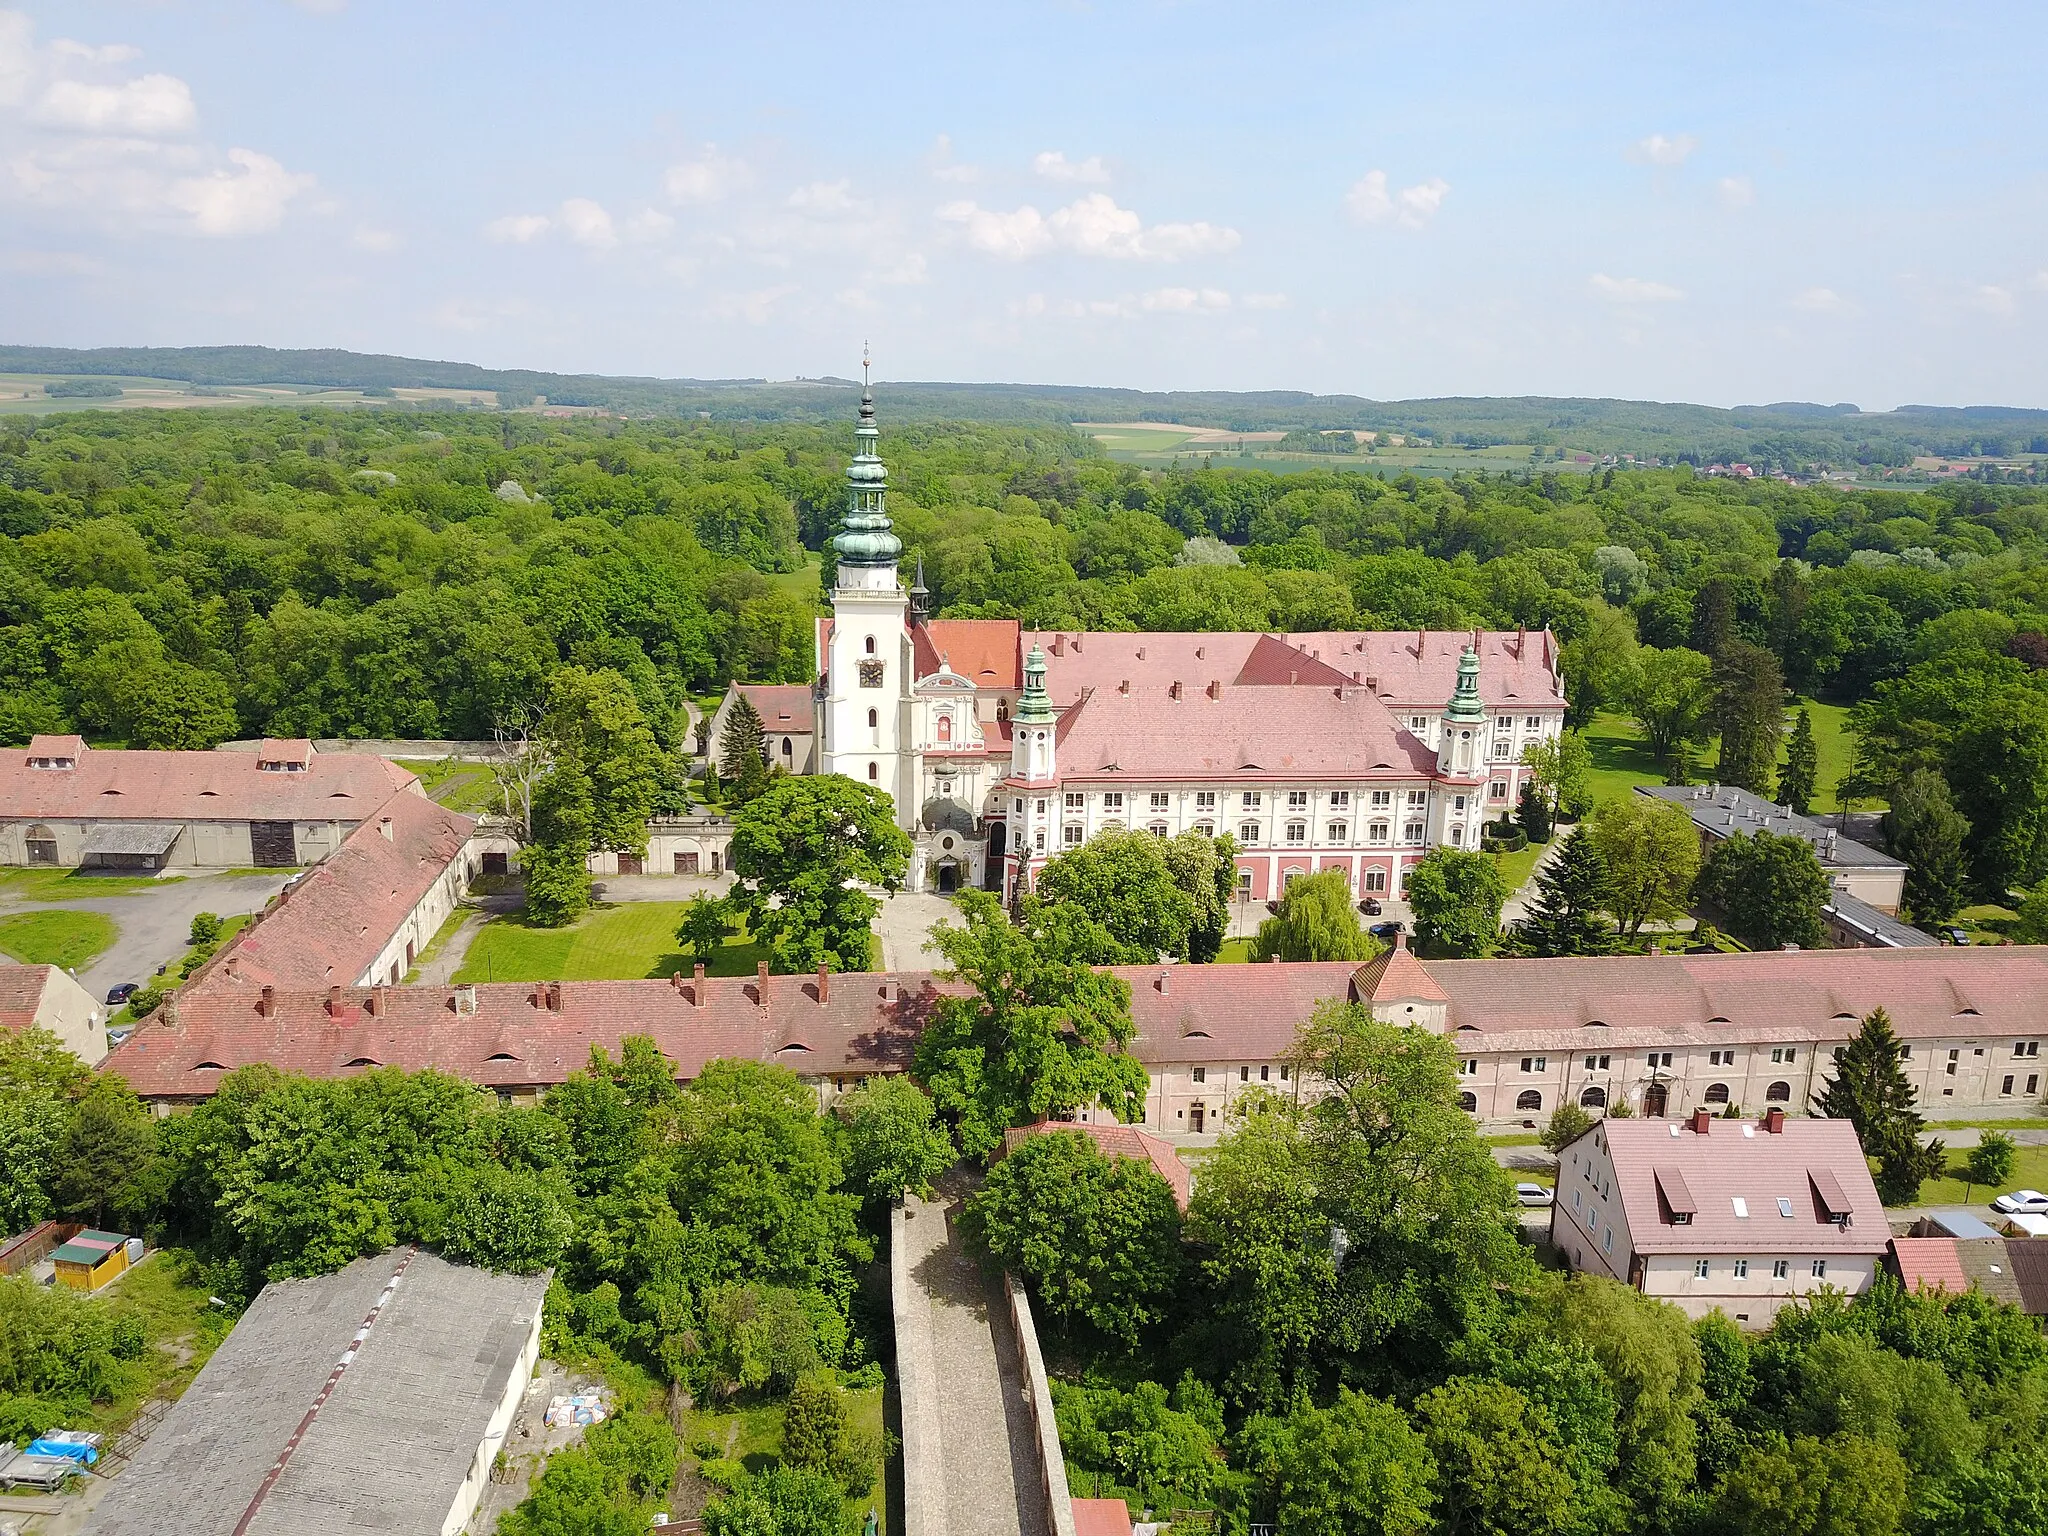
[801, 853]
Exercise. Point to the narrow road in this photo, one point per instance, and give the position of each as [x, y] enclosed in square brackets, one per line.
[976, 1453]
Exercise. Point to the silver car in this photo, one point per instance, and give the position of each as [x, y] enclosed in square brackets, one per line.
[1533, 1194]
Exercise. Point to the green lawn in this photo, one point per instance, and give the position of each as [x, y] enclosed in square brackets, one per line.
[2029, 1171]
[465, 787]
[751, 1433]
[1515, 867]
[69, 939]
[439, 941]
[1985, 922]
[1234, 952]
[1620, 760]
[68, 884]
[613, 942]
[1835, 748]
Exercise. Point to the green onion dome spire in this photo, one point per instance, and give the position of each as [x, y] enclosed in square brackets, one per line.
[1465, 706]
[866, 539]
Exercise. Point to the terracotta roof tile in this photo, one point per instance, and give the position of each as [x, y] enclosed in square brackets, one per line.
[1930, 1262]
[21, 994]
[205, 786]
[984, 651]
[782, 706]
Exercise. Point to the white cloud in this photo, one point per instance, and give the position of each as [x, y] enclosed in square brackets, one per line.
[148, 104]
[1370, 201]
[1992, 299]
[1265, 301]
[2039, 281]
[119, 151]
[649, 224]
[587, 223]
[1663, 149]
[1819, 301]
[518, 228]
[1634, 290]
[367, 239]
[945, 167]
[824, 197]
[468, 314]
[907, 271]
[1185, 301]
[1735, 191]
[756, 307]
[245, 201]
[707, 178]
[1054, 165]
[1091, 226]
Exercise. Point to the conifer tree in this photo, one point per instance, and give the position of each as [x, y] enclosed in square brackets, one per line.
[1573, 893]
[1749, 710]
[1802, 762]
[1924, 828]
[740, 760]
[1870, 1091]
[1533, 813]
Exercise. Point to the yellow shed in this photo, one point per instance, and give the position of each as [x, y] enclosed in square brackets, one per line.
[91, 1259]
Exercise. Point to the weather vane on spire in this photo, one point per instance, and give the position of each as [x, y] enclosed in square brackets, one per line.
[863, 365]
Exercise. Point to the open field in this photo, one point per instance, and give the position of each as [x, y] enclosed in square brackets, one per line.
[68, 939]
[22, 394]
[625, 942]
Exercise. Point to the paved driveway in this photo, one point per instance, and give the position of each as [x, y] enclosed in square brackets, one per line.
[154, 920]
[904, 925]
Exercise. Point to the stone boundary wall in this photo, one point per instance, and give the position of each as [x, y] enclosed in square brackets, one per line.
[1052, 1461]
[459, 751]
[917, 1389]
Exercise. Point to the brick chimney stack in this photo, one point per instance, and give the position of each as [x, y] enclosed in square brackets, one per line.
[1774, 1122]
[697, 985]
[824, 985]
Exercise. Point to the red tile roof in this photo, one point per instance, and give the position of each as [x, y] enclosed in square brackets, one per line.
[1245, 733]
[984, 651]
[109, 785]
[330, 927]
[21, 994]
[1129, 1141]
[1741, 1160]
[1929, 1262]
[1805, 995]
[1101, 1517]
[55, 746]
[782, 706]
[1397, 976]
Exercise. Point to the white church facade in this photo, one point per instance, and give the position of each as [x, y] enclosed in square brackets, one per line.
[1350, 750]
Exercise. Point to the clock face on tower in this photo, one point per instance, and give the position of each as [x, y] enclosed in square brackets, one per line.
[871, 674]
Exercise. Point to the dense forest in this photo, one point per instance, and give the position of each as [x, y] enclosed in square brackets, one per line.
[174, 579]
[1786, 434]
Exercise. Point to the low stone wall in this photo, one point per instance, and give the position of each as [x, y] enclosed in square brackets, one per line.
[1052, 1461]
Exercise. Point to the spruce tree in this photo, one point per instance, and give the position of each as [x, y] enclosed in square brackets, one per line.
[741, 738]
[1749, 710]
[1573, 893]
[1870, 1091]
[1802, 763]
[1924, 828]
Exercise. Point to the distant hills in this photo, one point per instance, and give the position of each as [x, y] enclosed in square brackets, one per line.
[1785, 434]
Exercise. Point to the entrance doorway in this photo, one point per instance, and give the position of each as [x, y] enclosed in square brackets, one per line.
[1654, 1099]
[1196, 1117]
[629, 864]
[992, 867]
[949, 878]
[686, 863]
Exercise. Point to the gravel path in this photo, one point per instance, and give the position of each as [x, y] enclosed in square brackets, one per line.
[986, 1448]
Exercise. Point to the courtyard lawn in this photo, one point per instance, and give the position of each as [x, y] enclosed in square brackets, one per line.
[1835, 749]
[44, 884]
[1620, 760]
[613, 942]
[1985, 923]
[1234, 952]
[68, 939]
[1515, 868]
[2029, 1171]
[465, 787]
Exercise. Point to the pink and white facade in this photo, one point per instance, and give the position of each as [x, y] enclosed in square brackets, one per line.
[1350, 750]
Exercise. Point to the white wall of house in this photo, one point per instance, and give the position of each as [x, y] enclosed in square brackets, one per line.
[73, 1015]
[424, 920]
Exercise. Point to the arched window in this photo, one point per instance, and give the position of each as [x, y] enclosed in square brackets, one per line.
[1529, 1098]
[1717, 1093]
[1593, 1098]
[874, 719]
[1778, 1093]
[871, 645]
[787, 749]
[874, 773]
[1469, 1103]
[945, 727]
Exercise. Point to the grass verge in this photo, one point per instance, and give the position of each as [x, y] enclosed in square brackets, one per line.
[2029, 1171]
[68, 939]
[68, 884]
[614, 942]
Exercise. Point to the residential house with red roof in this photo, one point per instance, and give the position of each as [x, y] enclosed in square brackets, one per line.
[68, 805]
[1350, 750]
[46, 997]
[1740, 1217]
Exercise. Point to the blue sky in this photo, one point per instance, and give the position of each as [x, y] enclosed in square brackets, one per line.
[1729, 203]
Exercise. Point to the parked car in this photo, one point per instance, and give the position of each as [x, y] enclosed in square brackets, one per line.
[121, 991]
[1533, 1194]
[1952, 935]
[1387, 929]
[2029, 1202]
[1370, 906]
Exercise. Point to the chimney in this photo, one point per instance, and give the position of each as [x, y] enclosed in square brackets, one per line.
[1774, 1122]
[1400, 941]
[1161, 983]
[888, 989]
[232, 966]
[1656, 949]
[761, 983]
[1141, 653]
[373, 1005]
[1174, 691]
[1124, 686]
[676, 980]
[1702, 1122]
[266, 1005]
[1420, 636]
[384, 826]
[1521, 641]
[697, 985]
[1293, 676]
[554, 997]
[1059, 645]
[1215, 688]
[824, 986]
[334, 1002]
[465, 998]
[1273, 959]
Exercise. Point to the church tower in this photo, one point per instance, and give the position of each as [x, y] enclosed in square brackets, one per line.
[868, 665]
